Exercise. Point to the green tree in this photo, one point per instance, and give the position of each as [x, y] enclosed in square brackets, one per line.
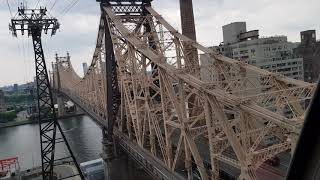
[8, 116]
[18, 99]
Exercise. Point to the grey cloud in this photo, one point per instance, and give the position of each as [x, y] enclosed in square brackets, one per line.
[79, 27]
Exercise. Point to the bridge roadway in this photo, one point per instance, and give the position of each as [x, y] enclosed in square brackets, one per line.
[264, 172]
[159, 170]
[151, 165]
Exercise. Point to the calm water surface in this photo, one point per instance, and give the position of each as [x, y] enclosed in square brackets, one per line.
[83, 135]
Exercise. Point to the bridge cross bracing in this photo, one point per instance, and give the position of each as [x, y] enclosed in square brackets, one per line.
[224, 114]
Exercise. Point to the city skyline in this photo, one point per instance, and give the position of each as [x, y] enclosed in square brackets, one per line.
[81, 23]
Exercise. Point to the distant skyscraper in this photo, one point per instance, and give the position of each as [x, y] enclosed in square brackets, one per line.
[15, 87]
[85, 68]
[3, 107]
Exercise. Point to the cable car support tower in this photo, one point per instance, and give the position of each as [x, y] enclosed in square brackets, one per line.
[35, 22]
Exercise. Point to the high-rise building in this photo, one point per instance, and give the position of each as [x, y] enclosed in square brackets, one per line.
[309, 50]
[85, 68]
[15, 87]
[274, 54]
[308, 37]
[3, 106]
[236, 32]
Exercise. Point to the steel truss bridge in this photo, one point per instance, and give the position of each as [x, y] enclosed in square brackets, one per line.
[145, 86]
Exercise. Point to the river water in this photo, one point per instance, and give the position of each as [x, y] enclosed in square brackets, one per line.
[83, 135]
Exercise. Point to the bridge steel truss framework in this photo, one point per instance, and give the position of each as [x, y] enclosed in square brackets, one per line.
[233, 112]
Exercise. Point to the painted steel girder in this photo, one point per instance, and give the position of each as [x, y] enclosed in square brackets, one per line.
[139, 46]
[169, 59]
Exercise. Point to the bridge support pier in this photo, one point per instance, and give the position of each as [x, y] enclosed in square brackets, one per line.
[108, 156]
[247, 174]
[61, 108]
[66, 107]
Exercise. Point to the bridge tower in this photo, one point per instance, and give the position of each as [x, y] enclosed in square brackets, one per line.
[60, 98]
[113, 96]
[36, 21]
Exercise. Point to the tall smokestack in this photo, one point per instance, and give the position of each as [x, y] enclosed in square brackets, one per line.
[187, 19]
[189, 30]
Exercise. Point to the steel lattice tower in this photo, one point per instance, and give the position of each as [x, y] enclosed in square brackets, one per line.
[36, 21]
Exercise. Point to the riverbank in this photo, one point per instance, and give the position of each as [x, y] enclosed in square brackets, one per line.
[17, 123]
[62, 169]
[83, 135]
[33, 121]
[84, 138]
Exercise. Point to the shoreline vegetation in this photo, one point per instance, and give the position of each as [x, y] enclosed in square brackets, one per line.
[18, 123]
[32, 121]
[19, 99]
[8, 116]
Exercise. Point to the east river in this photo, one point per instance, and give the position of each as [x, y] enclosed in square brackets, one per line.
[83, 135]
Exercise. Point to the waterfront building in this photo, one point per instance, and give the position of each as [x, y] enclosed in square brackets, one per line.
[274, 54]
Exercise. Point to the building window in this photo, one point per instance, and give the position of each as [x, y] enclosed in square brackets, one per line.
[313, 35]
[244, 52]
[302, 36]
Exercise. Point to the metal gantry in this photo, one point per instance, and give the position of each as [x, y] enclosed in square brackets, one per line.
[36, 21]
[223, 115]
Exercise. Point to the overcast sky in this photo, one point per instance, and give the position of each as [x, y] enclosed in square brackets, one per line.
[79, 27]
